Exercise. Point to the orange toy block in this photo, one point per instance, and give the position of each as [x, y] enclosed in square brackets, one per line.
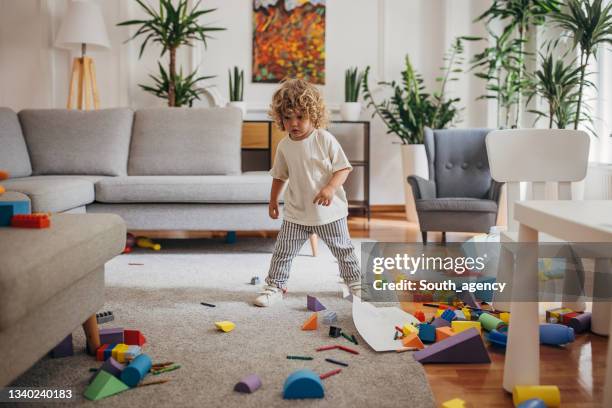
[2, 190]
[444, 332]
[311, 323]
[413, 340]
[30, 221]
[4, 175]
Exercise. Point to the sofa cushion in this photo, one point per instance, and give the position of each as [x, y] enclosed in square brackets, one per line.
[55, 193]
[64, 141]
[186, 141]
[457, 204]
[38, 264]
[13, 152]
[250, 187]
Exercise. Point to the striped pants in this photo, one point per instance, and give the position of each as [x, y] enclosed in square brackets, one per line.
[291, 238]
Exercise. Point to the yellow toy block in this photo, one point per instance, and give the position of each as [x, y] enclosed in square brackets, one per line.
[466, 313]
[505, 317]
[460, 325]
[454, 403]
[117, 350]
[439, 312]
[409, 329]
[225, 326]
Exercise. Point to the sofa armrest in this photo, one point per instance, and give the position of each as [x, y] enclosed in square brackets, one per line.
[495, 191]
[422, 188]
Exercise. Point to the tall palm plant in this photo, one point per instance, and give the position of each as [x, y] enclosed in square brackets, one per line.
[171, 27]
[589, 24]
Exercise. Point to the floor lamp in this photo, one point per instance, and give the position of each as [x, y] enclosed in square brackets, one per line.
[83, 27]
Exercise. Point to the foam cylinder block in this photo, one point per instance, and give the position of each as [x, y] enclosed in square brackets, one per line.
[490, 322]
[548, 393]
[532, 403]
[248, 384]
[556, 334]
[498, 338]
[136, 371]
[580, 323]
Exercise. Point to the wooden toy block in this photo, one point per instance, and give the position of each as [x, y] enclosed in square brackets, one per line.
[463, 347]
[136, 371]
[248, 384]
[448, 315]
[581, 322]
[413, 340]
[30, 221]
[454, 403]
[225, 326]
[409, 329]
[303, 384]
[420, 316]
[335, 331]
[64, 348]
[330, 317]
[134, 338]
[443, 332]
[105, 317]
[460, 325]
[313, 304]
[548, 393]
[111, 335]
[9, 208]
[311, 323]
[104, 385]
[100, 352]
[556, 334]
[505, 317]
[427, 333]
[490, 322]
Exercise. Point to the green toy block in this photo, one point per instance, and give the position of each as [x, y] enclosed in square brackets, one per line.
[104, 385]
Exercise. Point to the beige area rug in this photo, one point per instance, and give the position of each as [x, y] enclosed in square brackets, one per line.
[162, 298]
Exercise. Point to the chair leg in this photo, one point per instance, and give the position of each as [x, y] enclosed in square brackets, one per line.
[314, 244]
[444, 237]
[92, 334]
[424, 236]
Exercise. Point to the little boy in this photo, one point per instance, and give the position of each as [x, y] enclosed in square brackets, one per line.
[311, 160]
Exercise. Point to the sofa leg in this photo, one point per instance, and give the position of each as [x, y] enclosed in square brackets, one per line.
[92, 334]
[424, 236]
[444, 237]
[314, 244]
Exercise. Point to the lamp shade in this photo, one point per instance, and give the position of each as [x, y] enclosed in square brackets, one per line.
[83, 24]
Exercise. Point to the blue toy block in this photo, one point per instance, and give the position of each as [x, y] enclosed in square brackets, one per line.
[448, 315]
[230, 238]
[497, 338]
[303, 384]
[108, 352]
[532, 403]
[427, 333]
[10, 208]
[136, 371]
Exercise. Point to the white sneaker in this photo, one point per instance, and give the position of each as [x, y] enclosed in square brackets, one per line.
[269, 296]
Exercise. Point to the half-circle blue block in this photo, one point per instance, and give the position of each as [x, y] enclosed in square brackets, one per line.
[303, 384]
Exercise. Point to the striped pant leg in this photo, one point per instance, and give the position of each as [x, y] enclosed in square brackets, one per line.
[336, 236]
[289, 241]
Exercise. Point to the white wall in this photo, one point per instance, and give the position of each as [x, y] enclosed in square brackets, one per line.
[34, 74]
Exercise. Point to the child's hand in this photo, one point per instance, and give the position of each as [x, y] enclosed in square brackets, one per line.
[273, 209]
[325, 196]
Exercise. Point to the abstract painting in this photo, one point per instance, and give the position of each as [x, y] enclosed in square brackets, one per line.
[289, 40]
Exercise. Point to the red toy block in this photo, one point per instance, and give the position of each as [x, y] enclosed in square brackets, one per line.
[30, 221]
[568, 316]
[100, 352]
[419, 315]
[133, 338]
[4, 174]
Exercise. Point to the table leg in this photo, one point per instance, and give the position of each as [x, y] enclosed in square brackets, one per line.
[608, 378]
[505, 274]
[522, 364]
[600, 320]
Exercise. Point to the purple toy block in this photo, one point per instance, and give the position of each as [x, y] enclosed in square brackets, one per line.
[580, 323]
[109, 336]
[463, 347]
[112, 367]
[248, 384]
[313, 304]
[64, 348]
[440, 322]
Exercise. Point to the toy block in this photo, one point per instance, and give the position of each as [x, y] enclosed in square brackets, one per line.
[532, 403]
[409, 329]
[255, 280]
[9, 208]
[505, 317]
[248, 384]
[132, 352]
[554, 315]
[303, 384]
[443, 332]
[427, 333]
[105, 317]
[548, 393]
[459, 315]
[113, 367]
[440, 322]
[108, 352]
[335, 331]
[134, 337]
[2, 190]
[64, 348]
[413, 340]
[313, 304]
[581, 322]
[225, 326]
[104, 385]
[460, 325]
[466, 313]
[136, 371]
[464, 347]
[420, 316]
[454, 403]
[311, 323]
[147, 243]
[469, 299]
[100, 352]
[231, 237]
[330, 317]
[556, 334]
[112, 335]
[439, 312]
[4, 175]
[35, 221]
[118, 351]
[127, 250]
[448, 315]
[565, 319]
[130, 240]
[490, 322]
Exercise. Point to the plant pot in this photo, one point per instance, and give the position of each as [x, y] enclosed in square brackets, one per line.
[350, 111]
[240, 105]
[414, 162]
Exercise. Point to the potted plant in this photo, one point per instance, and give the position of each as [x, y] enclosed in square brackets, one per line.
[411, 108]
[350, 110]
[171, 27]
[236, 90]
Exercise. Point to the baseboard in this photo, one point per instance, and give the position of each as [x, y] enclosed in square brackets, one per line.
[387, 208]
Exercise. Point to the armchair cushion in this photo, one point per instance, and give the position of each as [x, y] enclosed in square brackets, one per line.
[457, 204]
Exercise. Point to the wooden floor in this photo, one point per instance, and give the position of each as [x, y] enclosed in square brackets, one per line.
[578, 370]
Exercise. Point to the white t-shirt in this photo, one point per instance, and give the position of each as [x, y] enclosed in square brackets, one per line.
[309, 164]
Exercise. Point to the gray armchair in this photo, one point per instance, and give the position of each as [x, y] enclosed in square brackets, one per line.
[460, 195]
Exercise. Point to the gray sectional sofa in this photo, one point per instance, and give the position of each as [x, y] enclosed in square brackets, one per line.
[159, 169]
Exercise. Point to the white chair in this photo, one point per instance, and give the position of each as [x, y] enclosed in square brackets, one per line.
[538, 156]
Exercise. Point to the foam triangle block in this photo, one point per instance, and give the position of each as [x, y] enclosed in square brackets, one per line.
[311, 323]
[413, 340]
[104, 385]
[313, 304]
[464, 347]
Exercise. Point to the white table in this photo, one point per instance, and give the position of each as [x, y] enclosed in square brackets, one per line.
[573, 221]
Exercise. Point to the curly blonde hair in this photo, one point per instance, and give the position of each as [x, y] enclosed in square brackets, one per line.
[299, 96]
